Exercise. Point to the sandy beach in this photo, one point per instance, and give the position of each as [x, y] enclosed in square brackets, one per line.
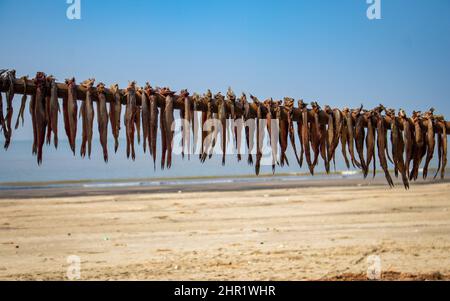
[295, 231]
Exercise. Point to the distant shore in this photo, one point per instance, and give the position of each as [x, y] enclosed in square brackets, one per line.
[193, 184]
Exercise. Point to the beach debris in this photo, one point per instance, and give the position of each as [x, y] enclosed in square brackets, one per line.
[408, 151]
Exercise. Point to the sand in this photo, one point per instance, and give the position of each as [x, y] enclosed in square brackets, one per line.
[285, 233]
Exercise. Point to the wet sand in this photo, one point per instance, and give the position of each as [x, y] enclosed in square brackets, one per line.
[294, 231]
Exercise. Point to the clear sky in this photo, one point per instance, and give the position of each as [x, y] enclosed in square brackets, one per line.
[324, 50]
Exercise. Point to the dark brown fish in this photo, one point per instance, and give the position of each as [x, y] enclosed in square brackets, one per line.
[145, 105]
[344, 140]
[137, 122]
[222, 116]
[11, 76]
[153, 126]
[419, 147]
[408, 138]
[87, 118]
[314, 134]
[370, 143]
[40, 113]
[47, 110]
[186, 120]
[429, 141]
[283, 133]
[162, 125]
[208, 127]
[130, 116]
[289, 110]
[359, 138]
[259, 133]
[440, 122]
[115, 111]
[351, 136]
[301, 106]
[72, 113]
[305, 136]
[398, 147]
[169, 122]
[22, 104]
[381, 140]
[194, 121]
[235, 124]
[268, 104]
[338, 124]
[33, 123]
[54, 110]
[249, 124]
[102, 119]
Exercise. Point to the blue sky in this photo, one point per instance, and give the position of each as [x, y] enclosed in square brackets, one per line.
[323, 50]
[316, 49]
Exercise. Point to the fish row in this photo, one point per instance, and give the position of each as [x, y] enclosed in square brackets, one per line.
[361, 133]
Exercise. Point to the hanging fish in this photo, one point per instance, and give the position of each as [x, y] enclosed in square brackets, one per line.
[301, 106]
[222, 116]
[87, 117]
[305, 136]
[208, 127]
[259, 133]
[47, 109]
[289, 110]
[359, 137]
[381, 140]
[194, 121]
[40, 113]
[430, 140]
[408, 138]
[11, 77]
[338, 124]
[162, 125]
[115, 111]
[249, 127]
[169, 122]
[54, 110]
[419, 147]
[328, 113]
[72, 113]
[145, 104]
[283, 132]
[440, 122]
[350, 136]
[22, 103]
[137, 122]
[102, 119]
[344, 140]
[186, 120]
[398, 147]
[236, 126]
[315, 134]
[370, 143]
[2, 117]
[273, 141]
[130, 116]
[153, 122]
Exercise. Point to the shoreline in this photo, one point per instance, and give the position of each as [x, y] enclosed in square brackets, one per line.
[198, 184]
